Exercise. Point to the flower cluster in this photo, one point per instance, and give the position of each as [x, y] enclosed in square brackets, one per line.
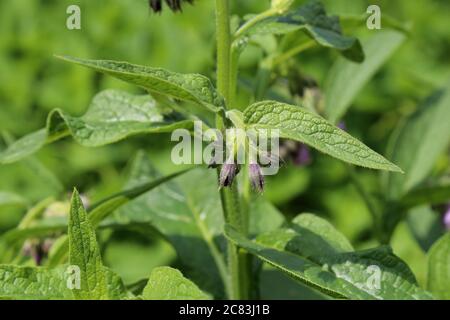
[174, 5]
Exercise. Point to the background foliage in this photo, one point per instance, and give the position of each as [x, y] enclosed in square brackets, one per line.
[33, 82]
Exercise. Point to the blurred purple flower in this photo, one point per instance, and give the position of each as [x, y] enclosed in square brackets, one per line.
[256, 177]
[447, 218]
[227, 174]
[302, 156]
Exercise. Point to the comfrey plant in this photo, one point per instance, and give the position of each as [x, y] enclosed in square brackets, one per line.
[221, 229]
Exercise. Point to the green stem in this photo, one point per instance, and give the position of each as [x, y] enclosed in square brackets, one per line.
[237, 262]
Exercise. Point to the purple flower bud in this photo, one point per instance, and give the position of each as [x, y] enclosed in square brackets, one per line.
[302, 156]
[227, 174]
[341, 125]
[447, 218]
[256, 177]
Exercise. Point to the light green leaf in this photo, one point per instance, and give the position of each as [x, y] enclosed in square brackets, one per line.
[370, 274]
[9, 198]
[300, 124]
[169, 284]
[18, 282]
[85, 254]
[188, 213]
[313, 19]
[188, 87]
[439, 268]
[346, 79]
[417, 144]
[112, 116]
[311, 233]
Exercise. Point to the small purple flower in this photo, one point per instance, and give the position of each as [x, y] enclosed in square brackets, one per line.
[227, 174]
[256, 177]
[341, 125]
[302, 156]
[447, 218]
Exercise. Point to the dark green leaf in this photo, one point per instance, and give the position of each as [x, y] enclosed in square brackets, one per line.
[189, 87]
[169, 284]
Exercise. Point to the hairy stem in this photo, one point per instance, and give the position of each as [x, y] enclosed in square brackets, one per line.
[237, 261]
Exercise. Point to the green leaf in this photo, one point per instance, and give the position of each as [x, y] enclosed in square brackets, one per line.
[417, 144]
[316, 254]
[18, 282]
[300, 124]
[85, 254]
[313, 19]
[438, 268]
[188, 213]
[169, 284]
[9, 198]
[346, 79]
[112, 116]
[188, 87]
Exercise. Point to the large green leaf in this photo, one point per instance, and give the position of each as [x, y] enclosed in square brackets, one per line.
[298, 123]
[346, 79]
[313, 252]
[17, 282]
[313, 19]
[189, 87]
[112, 116]
[417, 144]
[169, 284]
[439, 268]
[9, 198]
[85, 254]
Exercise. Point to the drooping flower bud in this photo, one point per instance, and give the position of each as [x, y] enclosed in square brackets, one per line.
[256, 177]
[227, 174]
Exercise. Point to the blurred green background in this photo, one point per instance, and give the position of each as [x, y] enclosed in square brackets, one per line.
[32, 82]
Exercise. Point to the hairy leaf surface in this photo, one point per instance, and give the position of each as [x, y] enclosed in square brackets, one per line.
[166, 283]
[298, 123]
[313, 19]
[418, 143]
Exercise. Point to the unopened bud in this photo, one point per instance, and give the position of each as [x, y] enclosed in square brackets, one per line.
[281, 5]
[256, 177]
